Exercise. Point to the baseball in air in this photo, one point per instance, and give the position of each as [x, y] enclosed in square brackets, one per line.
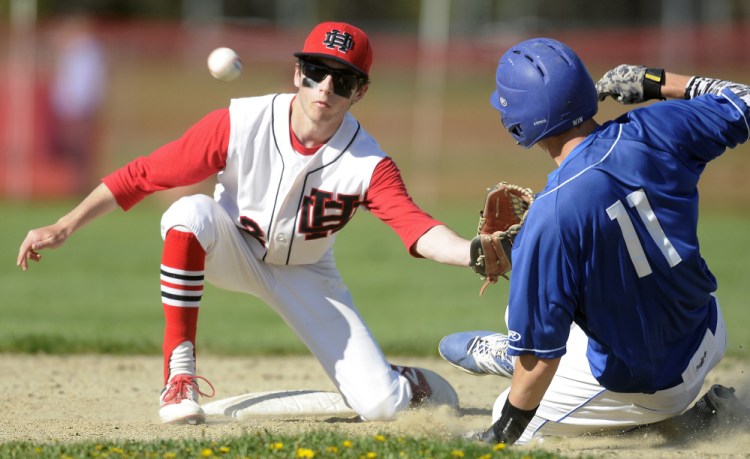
[224, 64]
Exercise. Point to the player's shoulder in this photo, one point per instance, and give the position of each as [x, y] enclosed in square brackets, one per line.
[259, 102]
[572, 195]
[363, 144]
[661, 115]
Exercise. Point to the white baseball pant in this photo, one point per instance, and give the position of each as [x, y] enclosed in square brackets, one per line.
[312, 300]
[576, 404]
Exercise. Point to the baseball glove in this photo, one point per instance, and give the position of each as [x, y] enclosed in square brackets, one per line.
[505, 209]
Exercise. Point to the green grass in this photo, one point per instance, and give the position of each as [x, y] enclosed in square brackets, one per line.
[100, 292]
[267, 445]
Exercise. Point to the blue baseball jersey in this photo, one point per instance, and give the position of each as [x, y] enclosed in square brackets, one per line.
[611, 244]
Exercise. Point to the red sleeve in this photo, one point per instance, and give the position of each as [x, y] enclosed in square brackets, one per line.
[200, 153]
[388, 200]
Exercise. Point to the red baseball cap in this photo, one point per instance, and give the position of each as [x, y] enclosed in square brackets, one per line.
[341, 42]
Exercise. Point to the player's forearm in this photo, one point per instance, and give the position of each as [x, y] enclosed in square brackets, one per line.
[531, 377]
[99, 202]
[674, 85]
[443, 245]
[678, 86]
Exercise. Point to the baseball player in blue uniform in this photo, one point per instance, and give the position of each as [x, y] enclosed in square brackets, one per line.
[612, 317]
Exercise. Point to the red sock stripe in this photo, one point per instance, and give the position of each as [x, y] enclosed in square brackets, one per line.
[181, 287]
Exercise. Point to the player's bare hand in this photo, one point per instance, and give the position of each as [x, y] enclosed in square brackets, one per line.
[48, 237]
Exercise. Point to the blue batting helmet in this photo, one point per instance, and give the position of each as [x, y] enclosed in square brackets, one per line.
[543, 89]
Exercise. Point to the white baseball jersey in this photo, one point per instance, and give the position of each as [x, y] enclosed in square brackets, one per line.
[293, 205]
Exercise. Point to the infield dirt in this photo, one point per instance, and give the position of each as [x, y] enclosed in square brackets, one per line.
[99, 398]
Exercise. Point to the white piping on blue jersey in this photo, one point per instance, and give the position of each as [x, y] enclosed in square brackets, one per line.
[523, 349]
[619, 133]
[747, 126]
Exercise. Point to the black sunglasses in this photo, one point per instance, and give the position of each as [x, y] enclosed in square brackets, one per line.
[344, 82]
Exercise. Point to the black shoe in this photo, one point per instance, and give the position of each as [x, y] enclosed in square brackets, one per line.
[718, 407]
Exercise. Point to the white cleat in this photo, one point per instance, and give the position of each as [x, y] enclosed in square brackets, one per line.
[179, 401]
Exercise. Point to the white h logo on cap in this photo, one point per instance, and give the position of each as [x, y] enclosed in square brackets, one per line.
[343, 41]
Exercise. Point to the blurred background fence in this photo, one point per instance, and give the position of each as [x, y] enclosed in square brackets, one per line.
[140, 78]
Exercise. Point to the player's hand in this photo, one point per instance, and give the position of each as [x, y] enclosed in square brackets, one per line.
[48, 237]
[623, 83]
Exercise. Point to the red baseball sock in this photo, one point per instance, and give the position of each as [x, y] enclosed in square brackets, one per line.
[182, 279]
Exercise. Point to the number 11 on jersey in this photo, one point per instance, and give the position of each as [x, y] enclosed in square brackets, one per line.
[618, 213]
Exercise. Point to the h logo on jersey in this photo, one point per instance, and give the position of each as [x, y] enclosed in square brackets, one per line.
[336, 39]
[322, 214]
[252, 228]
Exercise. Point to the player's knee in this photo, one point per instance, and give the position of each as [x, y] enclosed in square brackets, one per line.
[193, 213]
[381, 400]
[384, 409]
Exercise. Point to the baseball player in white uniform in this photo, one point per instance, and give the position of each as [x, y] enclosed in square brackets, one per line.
[292, 169]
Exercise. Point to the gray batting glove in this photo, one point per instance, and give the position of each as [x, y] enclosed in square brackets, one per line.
[623, 83]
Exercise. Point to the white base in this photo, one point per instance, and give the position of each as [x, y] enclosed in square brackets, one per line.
[280, 403]
[314, 403]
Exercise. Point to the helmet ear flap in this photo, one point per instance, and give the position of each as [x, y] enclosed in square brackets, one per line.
[516, 130]
[514, 127]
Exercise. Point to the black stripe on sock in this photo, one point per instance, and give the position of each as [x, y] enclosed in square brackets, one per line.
[172, 296]
[182, 276]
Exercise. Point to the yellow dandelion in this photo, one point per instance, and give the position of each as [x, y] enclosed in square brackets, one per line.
[498, 447]
[116, 450]
[224, 449]
[276, 445]
[169, 455]
[371, 455]
[485, 456]
[347, 443]
[332, 449]
[379, 438]
[457, 453]
[207, 452]
[305, 453]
